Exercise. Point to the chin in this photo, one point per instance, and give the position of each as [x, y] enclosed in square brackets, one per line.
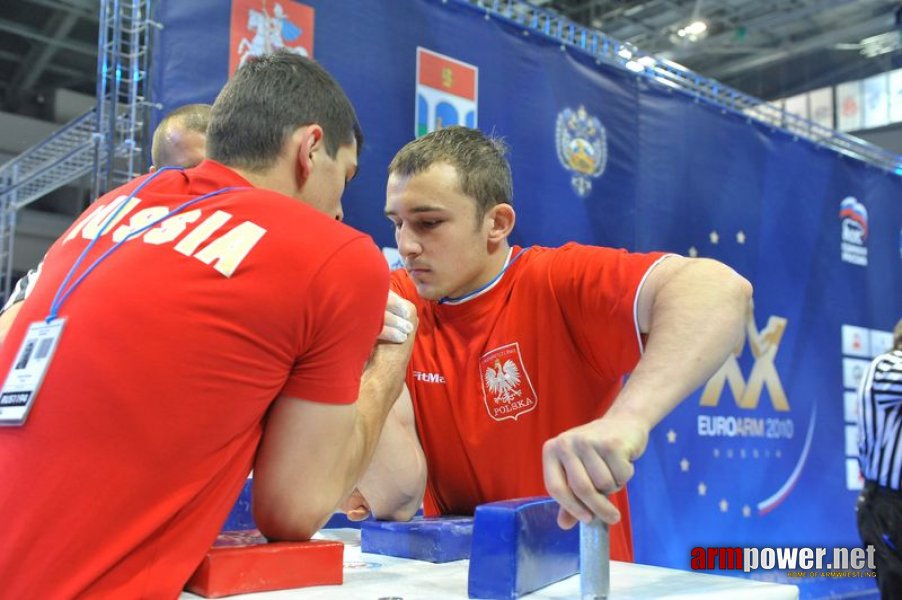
[428, 292]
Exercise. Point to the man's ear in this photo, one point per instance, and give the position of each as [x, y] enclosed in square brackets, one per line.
[500, 219]
[306, 140]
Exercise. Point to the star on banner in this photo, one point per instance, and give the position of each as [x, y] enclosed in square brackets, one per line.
[746, 511]
[724, 505]
[693, 252]
[729, 453]
[714, 237]
[717, 453]
[671, 436]
[702, 489]
[740, 236]
[684, 465]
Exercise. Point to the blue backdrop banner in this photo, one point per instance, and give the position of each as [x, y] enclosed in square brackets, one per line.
[764, 454]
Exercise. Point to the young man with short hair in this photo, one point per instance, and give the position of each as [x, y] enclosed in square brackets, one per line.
[515, 379]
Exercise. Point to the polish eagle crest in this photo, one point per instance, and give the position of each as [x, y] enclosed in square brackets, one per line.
[503, 381]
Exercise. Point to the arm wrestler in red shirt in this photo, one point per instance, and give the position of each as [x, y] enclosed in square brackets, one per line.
[515, 386]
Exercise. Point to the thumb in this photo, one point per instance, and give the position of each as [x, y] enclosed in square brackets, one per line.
[357, 514]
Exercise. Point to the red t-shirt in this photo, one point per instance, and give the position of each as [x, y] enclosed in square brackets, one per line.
[494, 377]
[174, 347]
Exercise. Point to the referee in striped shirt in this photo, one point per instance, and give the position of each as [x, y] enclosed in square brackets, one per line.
[880, 455]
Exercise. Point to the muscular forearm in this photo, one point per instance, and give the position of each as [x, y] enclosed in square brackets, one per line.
[693, 312]
[313, 454]
[378, 391]
[395, 481]
[696, 319]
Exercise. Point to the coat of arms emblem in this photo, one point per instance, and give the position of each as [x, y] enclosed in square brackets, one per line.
[262, 26]
[582, 147]
[506, 387]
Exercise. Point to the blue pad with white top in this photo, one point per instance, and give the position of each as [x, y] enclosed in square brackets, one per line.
[518, 548]
[436, 540]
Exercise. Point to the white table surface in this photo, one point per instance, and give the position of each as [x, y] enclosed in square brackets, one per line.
[377, 577]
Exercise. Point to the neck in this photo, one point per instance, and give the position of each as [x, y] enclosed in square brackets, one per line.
[496, 262]
[275, 179]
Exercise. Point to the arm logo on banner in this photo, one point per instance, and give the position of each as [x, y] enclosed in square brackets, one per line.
[582, 147]
[764, 345]
[760, 429]
[262, 26]
[447, 92]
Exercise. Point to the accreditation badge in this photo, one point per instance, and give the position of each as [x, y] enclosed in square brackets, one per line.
[28, 370]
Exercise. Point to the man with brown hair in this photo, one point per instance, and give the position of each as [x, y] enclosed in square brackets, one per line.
[515, 380]
[220, 321]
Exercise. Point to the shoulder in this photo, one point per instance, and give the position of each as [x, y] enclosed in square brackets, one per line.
[891, 360]
[576, 252]
[574, 259]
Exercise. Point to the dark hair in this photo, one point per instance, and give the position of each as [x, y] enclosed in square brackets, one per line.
[266, 100]
[480, 161]
[190, 117]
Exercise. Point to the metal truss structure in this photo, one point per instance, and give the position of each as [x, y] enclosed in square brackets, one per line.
[107, 142]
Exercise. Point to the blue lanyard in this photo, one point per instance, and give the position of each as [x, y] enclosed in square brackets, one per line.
[61, 297]
[481, 289]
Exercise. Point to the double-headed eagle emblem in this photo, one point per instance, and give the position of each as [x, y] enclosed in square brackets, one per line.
[582, 147]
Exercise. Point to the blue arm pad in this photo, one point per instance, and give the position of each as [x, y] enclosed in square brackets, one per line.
[240, 517]
[436, 540]
[519, 548]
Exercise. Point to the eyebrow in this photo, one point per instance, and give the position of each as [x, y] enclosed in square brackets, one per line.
[418, 209]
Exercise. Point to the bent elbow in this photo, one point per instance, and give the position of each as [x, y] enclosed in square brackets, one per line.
[745, 290]
[402, 514]
[407, 500]
[734, 285]
[279, 525]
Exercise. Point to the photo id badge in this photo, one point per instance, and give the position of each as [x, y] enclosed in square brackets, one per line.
[28, 370]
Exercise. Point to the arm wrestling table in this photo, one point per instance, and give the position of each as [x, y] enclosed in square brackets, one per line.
[375, 577]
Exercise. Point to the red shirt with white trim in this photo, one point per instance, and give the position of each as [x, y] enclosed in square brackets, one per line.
[175, 346]
[495, 376]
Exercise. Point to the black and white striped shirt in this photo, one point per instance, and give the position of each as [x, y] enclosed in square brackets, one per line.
[880, 421]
